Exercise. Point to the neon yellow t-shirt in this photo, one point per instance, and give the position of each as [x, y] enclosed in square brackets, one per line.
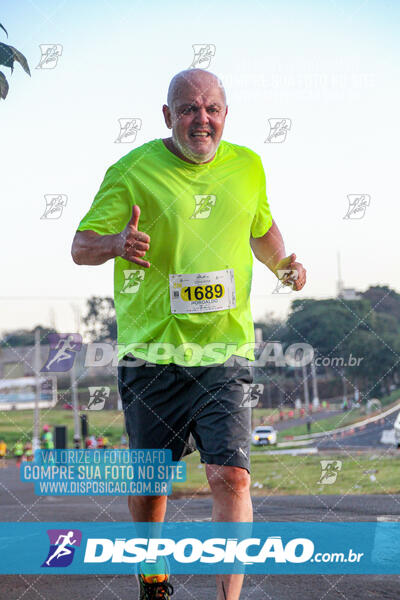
[200, 219]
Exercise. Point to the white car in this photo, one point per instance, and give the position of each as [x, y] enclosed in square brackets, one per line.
[263, 435]
[397, 430]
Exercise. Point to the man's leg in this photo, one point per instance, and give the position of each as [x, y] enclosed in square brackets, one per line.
[147, 394]
[147, 509]
[230, 487]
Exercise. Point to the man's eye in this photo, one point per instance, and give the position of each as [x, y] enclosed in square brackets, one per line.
[213, 109]
[188, 110]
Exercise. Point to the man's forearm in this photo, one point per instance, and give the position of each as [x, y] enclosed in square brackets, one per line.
[270, 248]
[90, 248]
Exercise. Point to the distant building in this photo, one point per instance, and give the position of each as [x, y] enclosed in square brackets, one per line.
[348, 294]
[342, 292]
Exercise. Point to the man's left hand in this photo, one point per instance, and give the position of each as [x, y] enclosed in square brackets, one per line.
[290, 272]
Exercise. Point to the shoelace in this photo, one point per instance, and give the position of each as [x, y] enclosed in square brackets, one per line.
[158, 591]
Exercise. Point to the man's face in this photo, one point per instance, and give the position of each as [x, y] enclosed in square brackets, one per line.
[197, 119]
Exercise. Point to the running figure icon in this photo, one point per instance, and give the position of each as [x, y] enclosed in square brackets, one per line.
[62, 549]
[62, 351]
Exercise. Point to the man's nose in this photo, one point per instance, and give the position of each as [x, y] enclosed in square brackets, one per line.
[201, 116]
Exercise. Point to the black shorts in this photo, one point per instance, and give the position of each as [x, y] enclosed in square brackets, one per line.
[172, 406]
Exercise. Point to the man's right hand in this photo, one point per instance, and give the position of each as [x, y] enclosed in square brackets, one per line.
[132, 244]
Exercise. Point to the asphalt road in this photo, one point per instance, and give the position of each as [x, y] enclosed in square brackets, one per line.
[18, 503]
[372, 436]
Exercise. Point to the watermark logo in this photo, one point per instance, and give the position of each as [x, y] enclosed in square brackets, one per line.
[329, 471]
[357, 205]
[62, 352]
[338, 361]
[203, 205]
[50, 55]
[62, 547]
[278, 129]
[102, 354]
[133, 279]
[251, 394]
[128, 129]
[203, 54]
[193, 550]
[98, 397]
[55, 203]
[286, 278]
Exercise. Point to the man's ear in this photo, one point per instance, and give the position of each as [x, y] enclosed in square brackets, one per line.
[167, 116]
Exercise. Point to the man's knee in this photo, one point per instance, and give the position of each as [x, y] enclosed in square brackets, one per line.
[149, 502]
[227, 479]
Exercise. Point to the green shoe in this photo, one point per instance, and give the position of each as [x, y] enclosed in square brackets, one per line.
[154, 580]
[155, 587]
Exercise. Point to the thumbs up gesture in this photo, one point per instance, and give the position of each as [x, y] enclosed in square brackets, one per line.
[133, 244]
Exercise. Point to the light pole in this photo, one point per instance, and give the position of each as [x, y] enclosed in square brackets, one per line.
[315, 399]
[74, 389]
[305, 386]
[36, 416]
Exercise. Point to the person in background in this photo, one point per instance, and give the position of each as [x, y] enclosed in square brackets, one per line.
[3, 450]
[47, 438]
[28, 452]
[309, 424]
[92, 443]
[18, 451]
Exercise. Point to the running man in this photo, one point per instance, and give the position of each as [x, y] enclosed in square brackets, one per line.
[191, 308]
[47, 438]
[62, 549]
[18, 451]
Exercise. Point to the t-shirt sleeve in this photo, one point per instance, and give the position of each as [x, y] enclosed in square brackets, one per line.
[111, 207]
[262, 219]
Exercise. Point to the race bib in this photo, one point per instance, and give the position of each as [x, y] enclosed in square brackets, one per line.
[202, 292]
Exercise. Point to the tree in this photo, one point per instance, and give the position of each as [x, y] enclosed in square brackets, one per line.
[338, 329]
[100, 319]
[272, 327]
[326, 324]
[378, 347]
[384, 300]
[9, 55]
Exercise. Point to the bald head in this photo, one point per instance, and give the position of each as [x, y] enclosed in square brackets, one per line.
[196, 114]
[196, 80]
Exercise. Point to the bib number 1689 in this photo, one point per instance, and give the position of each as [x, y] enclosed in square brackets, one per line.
[202, 292]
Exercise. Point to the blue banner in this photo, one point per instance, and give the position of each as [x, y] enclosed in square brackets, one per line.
[201, 548]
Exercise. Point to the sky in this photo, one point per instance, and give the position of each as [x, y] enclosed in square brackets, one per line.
[330, 68]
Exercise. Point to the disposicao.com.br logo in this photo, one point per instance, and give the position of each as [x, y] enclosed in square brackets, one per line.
[194, 550]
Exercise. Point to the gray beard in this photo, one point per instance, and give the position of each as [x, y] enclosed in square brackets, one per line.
[187, 153]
